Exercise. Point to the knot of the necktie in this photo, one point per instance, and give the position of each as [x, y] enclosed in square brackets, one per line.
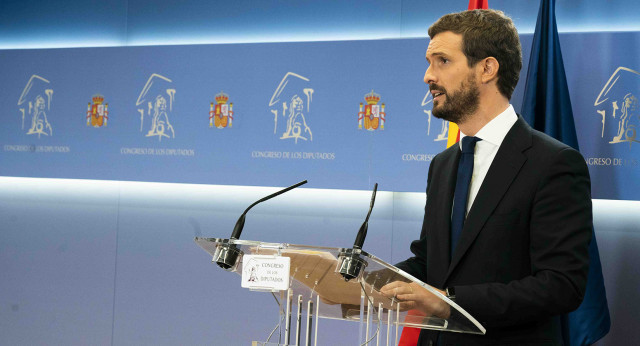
[469, 144]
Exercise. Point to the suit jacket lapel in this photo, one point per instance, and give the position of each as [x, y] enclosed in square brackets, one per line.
[503, 170]
[444, 197]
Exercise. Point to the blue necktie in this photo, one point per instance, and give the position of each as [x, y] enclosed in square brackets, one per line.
[461, 196]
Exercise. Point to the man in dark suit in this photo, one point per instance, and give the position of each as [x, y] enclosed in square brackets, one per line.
[508, 219]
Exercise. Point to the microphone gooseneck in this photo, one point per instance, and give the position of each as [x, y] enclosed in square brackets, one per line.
[362, 233]
[350, 263]
[226, 255]
[237, 230]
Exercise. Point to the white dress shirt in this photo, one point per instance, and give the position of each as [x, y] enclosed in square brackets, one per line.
[492, 135]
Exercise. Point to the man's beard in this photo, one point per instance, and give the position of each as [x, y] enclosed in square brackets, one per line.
[457, 107]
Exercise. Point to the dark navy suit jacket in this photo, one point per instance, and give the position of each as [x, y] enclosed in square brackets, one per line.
[522, 257]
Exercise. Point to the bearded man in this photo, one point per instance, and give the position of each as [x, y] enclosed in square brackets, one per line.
[508, 214]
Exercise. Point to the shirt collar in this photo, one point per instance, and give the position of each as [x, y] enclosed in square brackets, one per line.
[495, 130]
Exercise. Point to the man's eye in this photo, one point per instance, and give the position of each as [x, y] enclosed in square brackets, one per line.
[444, 60]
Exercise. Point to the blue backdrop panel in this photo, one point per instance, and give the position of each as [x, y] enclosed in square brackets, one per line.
[603, 72]
[274, 114]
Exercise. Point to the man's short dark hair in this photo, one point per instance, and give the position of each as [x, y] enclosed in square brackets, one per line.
[486, 33]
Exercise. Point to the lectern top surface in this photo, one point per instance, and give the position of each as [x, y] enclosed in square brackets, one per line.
[314, 273]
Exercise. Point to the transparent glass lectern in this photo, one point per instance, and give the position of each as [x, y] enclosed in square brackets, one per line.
[318, 291]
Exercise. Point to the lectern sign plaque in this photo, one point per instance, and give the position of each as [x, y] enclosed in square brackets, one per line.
[261, 272]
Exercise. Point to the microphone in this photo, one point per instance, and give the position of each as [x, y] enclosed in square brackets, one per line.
[226, 254]
[237, 230]
[350, 263]
[362, 233]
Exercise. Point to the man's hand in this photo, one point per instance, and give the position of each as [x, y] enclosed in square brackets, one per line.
[413, 296]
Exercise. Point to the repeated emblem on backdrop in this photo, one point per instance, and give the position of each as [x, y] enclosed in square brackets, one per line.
[287, 103]
[618, 107]
[443, 135]
[97, 112]
[221, 114]
[373, 116]
[35, 103]
[158, 96]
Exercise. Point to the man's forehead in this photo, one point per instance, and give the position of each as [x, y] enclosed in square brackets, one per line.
[445, 43]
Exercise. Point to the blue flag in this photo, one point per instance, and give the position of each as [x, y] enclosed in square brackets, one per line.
[547, 108]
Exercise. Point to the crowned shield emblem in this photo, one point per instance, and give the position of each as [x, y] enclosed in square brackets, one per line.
[372, 115]
[97, 112]
[221, 113]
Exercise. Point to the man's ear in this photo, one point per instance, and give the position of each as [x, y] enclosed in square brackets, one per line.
[489, 69]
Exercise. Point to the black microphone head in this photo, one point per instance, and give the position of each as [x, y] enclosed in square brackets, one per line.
[375, 189]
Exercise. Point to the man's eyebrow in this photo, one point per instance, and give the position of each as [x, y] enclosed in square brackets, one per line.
[435, 55]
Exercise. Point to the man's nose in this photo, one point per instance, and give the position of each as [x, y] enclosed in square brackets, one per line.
[429, 76]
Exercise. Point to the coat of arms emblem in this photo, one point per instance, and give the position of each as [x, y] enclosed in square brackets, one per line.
[97, 112]
[373, 115]
[221, 113]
